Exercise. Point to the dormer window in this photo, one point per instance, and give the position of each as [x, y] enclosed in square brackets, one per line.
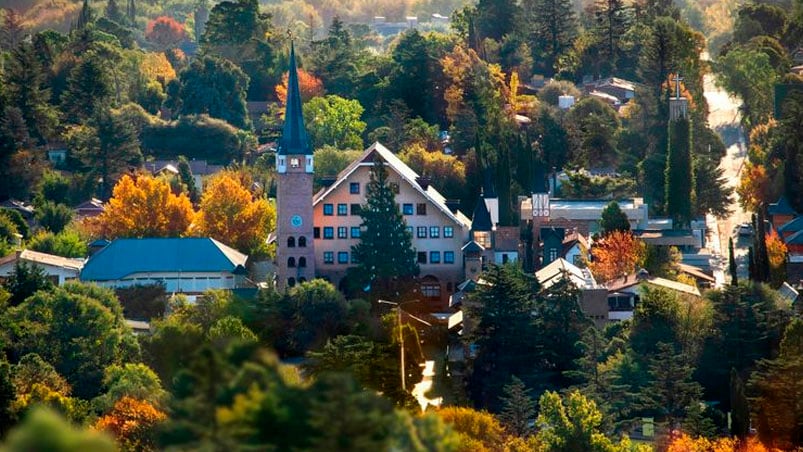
[294, 163]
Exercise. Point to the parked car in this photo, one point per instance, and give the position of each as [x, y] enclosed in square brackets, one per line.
[744, 229]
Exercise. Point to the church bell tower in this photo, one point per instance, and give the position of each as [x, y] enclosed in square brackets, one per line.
[295, 255]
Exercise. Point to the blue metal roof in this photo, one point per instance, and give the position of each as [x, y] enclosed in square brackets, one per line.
[124, 257]
[794, 225]
[781, 207]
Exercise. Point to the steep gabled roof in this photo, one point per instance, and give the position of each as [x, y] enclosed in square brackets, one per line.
[405, 172]
[124, 257]
[294, 139]
[560, 268]
[781, 207]
[481, 220]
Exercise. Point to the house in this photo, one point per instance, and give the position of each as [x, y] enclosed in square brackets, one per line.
[575, 248]
[780, 212]
[617, 88]
[624, 294]
[188, 265]
[583, 215]
[790, 227]
[593, 297]
[25, 209]
[90, 208]
[199, 169]
[552, 244]
[701, 278]
[58, 269]
[439, 233]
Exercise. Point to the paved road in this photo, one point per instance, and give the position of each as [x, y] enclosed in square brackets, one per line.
[724, 118]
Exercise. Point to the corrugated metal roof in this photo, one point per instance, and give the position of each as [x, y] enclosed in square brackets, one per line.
[793, 225]
[45, 259]
[124, 257]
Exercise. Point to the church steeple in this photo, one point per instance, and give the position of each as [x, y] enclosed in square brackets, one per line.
[294, 139]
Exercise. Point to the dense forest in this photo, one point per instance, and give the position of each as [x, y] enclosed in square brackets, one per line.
[473, 93]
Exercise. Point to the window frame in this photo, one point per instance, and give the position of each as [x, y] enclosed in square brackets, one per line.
[328, 257]
[421, 232]
[408, 208]
[328, 233]
[436, 230]
[354, 188]
[434, 257]
[342, 209]
[448, 257]
[328, 209]
[448, 232]
[341, 259]
[342, 232]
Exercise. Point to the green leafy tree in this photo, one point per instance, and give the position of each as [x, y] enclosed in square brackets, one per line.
[679, 174]
[54, 217]
[43, 429]
[594, 125]
[130, 380]
[749, 75]
[113, 12]
[416, 77]
[387, 260]
[497, 18]
[333, 120]
[67, 243]
[25, 280]
[613, 219]
[517, 408]
[215, 87]
[187, 179]
[572, 423]
[79, 329]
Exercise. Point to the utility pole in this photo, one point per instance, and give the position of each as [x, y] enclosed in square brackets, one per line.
[401, 334]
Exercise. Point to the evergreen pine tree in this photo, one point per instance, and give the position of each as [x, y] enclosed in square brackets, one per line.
[497, 18]
[740, 410]
[84, 17]
[113, 12]
[517, 407]
[612, 19]
[185, 173]
[25, 86]
[387, 260]
[613, 219]
[732, 263]
[131, 12]
[89, 90]
[679, 174]
[553, 29]
[672, 389]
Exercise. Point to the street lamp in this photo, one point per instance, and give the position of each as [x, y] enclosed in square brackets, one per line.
[401, 336]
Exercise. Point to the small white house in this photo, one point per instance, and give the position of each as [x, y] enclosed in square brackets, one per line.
[58, 269]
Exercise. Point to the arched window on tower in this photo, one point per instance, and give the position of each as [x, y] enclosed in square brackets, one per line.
[291, 282]
[302, 280]
[302, 262]
[302, 242]
[291, 261]
[291, 242]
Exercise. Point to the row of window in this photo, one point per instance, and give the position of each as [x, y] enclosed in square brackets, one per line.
[435, 257]
[291, 242]
[343, 209]
[434, 232]
[343, 232]
[292, 281]
[342, 257]
[302, 262]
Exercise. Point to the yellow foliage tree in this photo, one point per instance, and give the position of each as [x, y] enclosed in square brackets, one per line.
[478, 431]
[685, 443]
[447, 172]
[155, 66]
[231, 214]
[753, 186]
[776, 252]
[616, 255]
[145, 207]
[308, 85]
[133, 423]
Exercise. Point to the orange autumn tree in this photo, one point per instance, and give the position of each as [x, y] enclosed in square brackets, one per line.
[133, 423]
[145, 207]
[616, 255]
[231, 214]
[308, 85]
[776, 252]
[754, 186]
[685, 443]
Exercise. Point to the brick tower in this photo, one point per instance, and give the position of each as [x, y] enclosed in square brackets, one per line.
[295, 255]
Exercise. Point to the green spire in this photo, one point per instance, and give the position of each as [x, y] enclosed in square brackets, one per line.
[294, 139]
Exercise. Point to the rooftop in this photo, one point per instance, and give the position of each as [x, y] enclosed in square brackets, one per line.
[124, 257]
[44, 259]
[560, 268]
